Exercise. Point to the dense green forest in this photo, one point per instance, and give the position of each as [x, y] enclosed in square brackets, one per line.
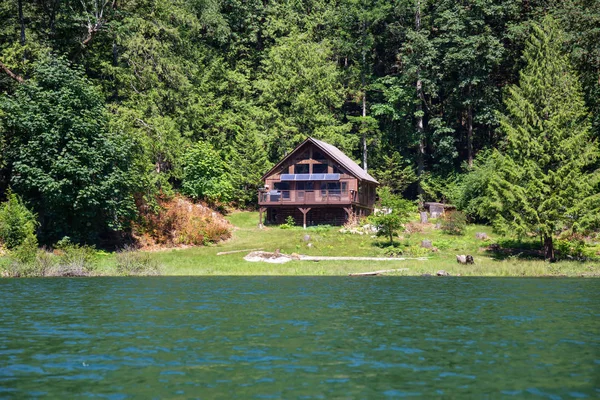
[107, 104]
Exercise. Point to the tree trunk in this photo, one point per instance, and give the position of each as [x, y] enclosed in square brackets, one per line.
[364, 135]
[419, 122]
[364, 111]
[21, 21]
[548, 248]
[470, 131]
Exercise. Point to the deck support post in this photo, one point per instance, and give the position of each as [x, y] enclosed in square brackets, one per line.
[304, 211]
[261, 210]
[349, 213]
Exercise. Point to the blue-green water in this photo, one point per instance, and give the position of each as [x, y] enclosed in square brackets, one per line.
[299, 337]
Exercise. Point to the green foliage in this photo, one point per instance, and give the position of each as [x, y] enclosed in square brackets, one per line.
[472, 194]
[205, 174]
[543, 183]
[301, 92]
[17, 223]
[64, 160]
[289, 223]
[393, 212]
[396, 173]
[454, 223]
[131, 262]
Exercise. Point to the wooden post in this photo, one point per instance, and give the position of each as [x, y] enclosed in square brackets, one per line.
[348, 212]
[261, 210]
[304, 211]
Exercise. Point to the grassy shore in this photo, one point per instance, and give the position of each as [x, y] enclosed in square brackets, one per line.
[514, 259]
[328, 241]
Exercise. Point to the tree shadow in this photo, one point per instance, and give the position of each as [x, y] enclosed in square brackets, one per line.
[512, 248]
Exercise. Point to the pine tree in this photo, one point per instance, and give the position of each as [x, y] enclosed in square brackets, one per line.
[544, 184]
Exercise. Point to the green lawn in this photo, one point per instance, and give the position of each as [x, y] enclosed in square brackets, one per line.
[328, 241]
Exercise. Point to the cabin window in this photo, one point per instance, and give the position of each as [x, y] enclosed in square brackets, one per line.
[319, 168]
[283, 188]
[285, 170]
[344, 187]
[337, 170]
[317, 155]
[304, 185]
[301, 169]
[333, 188]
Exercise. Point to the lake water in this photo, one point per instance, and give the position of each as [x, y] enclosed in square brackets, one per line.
[299, 337]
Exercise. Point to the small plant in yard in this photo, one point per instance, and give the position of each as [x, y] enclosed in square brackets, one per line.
[289, 223]
[132, 262]
[393, 251]
[455, 223]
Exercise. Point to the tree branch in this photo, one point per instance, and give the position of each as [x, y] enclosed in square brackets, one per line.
[16, 77]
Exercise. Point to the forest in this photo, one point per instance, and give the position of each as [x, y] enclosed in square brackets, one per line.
[108, 107]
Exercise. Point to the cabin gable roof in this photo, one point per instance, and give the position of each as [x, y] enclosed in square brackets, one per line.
[332, 152]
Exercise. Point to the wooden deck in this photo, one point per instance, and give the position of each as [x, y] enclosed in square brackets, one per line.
[304, 198]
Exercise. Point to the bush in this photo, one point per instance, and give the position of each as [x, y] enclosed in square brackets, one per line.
[393, 251]
[180, 222]
[17, 223]
[454, 223]
[289, 223]
[73, 259]
[132, 262]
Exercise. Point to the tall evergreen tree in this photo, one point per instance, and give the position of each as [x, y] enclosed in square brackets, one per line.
[543, 185]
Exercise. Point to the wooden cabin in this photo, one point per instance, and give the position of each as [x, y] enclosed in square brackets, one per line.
[316, 184]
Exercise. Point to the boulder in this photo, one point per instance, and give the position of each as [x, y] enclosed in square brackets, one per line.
[307, 238]
[423, 217]
[481, 235]
[465, 259]
[426, 244]
[441, 272]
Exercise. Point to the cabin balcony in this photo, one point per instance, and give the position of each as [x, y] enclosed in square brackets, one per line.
[306, 197]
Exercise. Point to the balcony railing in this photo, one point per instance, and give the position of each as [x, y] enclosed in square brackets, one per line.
[297, 197]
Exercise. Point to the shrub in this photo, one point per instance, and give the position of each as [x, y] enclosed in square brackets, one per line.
[132, 262]
[17, 223]
[393, 251]
[73, 259]
[289, 223]
[177, 221]
[454, 223]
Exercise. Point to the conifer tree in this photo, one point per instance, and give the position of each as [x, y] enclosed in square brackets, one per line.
[544, 184]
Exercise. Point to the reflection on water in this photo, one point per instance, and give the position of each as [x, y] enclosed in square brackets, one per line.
[294, 337]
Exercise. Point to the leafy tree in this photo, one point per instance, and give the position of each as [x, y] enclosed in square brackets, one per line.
[17, 223]
[543, 184]
[205, 174]
[248, 164]
[300, 93]
[393, 212]
[395, 173]
[62, 157]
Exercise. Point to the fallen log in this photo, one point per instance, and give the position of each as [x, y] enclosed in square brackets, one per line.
[222, 253]
[333, 258]
[374, 273]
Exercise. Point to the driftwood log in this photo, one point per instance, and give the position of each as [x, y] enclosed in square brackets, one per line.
[374, 273]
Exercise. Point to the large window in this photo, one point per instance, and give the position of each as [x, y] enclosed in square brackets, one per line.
[301, 169]
[319, 168]
[331, 188]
